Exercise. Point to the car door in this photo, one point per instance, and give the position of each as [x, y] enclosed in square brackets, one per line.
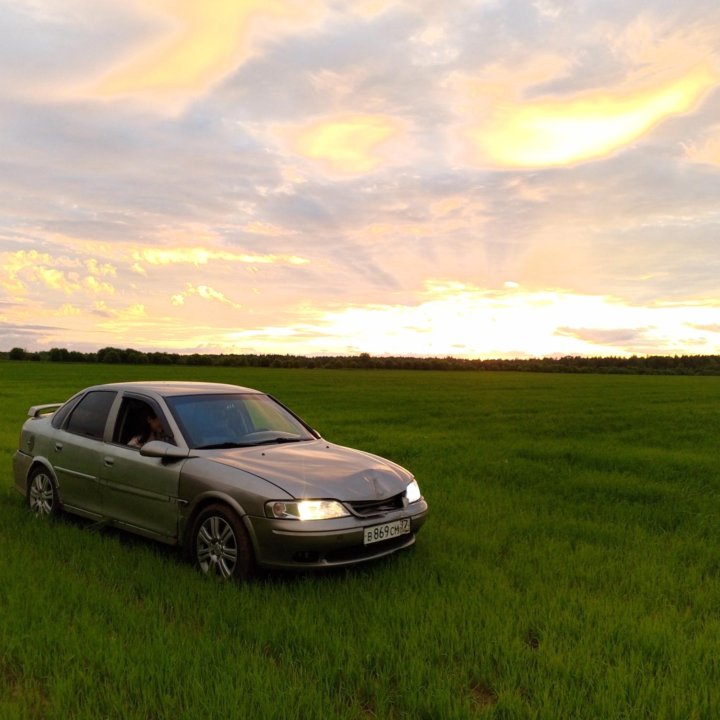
[140, 492]
[76, 451]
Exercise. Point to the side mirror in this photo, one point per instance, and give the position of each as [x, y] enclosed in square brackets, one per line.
[163, 450]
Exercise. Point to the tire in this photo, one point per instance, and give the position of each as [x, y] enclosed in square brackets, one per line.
[220, 546]
[42, 496]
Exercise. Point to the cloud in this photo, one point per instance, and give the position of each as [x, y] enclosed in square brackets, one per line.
[69, 310]
[345, 144]
[196, 45]
[590, 125]
[100, 269]
[202, 256]
[451, 318]
[205, 292]
[431, 46]
[27, 335]
[258, 227]
[129, 314]
[308, 179]
[713, 328]
[615, 337]
[24, 269]
[707, 150]
[369, 9]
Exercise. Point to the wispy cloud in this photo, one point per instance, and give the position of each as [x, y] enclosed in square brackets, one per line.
[205, 292]
[589, 125]
[202, 256]
[195, 45]
[345, 144]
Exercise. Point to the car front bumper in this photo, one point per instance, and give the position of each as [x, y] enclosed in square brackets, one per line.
[292, 544]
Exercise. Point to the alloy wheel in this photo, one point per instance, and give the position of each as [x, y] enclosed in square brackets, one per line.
[216, 547]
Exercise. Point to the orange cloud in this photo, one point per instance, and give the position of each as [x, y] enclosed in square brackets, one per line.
[347, 144]
[545, 133]
[706, 151]
[202, 42]
[206, 293]
[24, 269]
[201, 256]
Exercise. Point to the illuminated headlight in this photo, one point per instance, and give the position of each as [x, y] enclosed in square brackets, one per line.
[306, 510]
[412, 493]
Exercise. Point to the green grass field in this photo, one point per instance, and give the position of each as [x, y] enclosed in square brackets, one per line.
[570, 566]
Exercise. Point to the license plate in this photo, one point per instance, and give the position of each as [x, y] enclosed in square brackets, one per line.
[386, 531]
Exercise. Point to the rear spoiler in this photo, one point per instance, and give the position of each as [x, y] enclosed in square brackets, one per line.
[37, 410]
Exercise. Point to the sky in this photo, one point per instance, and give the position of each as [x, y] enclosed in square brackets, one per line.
[487, 178]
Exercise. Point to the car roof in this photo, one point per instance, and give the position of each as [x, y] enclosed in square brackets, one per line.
[168, 388]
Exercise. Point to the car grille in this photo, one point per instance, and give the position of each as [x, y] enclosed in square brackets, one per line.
[371, 508]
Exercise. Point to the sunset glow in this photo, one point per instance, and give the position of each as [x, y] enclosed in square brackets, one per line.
[563, 132]
[196, 45]
[459, 321]
[202, 256]
[346, 144]
[322, 178]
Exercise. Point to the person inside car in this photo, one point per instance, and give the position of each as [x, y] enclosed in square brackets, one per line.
[154, 431]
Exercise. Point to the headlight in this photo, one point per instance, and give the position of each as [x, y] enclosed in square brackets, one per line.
[412, 492]
[305, 510]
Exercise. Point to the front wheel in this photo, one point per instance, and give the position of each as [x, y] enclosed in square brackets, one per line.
[220, 546]
[42, 494]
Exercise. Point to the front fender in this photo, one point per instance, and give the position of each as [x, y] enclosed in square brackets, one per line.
[200, 501]
[203, 481]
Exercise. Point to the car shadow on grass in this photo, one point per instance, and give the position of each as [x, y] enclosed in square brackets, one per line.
[175, 555]
[264, 576]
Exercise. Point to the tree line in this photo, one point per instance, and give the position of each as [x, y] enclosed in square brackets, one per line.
[654, 364]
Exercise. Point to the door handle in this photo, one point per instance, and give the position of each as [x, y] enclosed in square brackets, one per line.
[58, 446]
[109, 462]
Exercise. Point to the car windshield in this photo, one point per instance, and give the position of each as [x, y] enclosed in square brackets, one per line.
[235, 420]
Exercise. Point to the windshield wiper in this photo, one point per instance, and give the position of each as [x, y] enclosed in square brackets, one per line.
[279, 440]
[272, 441]
[221, 446]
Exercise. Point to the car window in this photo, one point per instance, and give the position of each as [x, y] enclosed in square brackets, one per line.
[61, 413]
[132, 427]
[264, 415]
[234, 419]
[90, 414]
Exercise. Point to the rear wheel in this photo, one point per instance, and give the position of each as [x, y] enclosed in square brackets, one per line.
[42, 494]
[220, 546]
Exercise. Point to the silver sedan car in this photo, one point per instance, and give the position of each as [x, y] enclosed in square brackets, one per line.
[226, 472]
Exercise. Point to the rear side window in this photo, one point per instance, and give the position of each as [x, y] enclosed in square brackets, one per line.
[90, 414]
[59, 415]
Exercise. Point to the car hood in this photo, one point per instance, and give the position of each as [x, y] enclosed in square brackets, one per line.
[318, 469]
